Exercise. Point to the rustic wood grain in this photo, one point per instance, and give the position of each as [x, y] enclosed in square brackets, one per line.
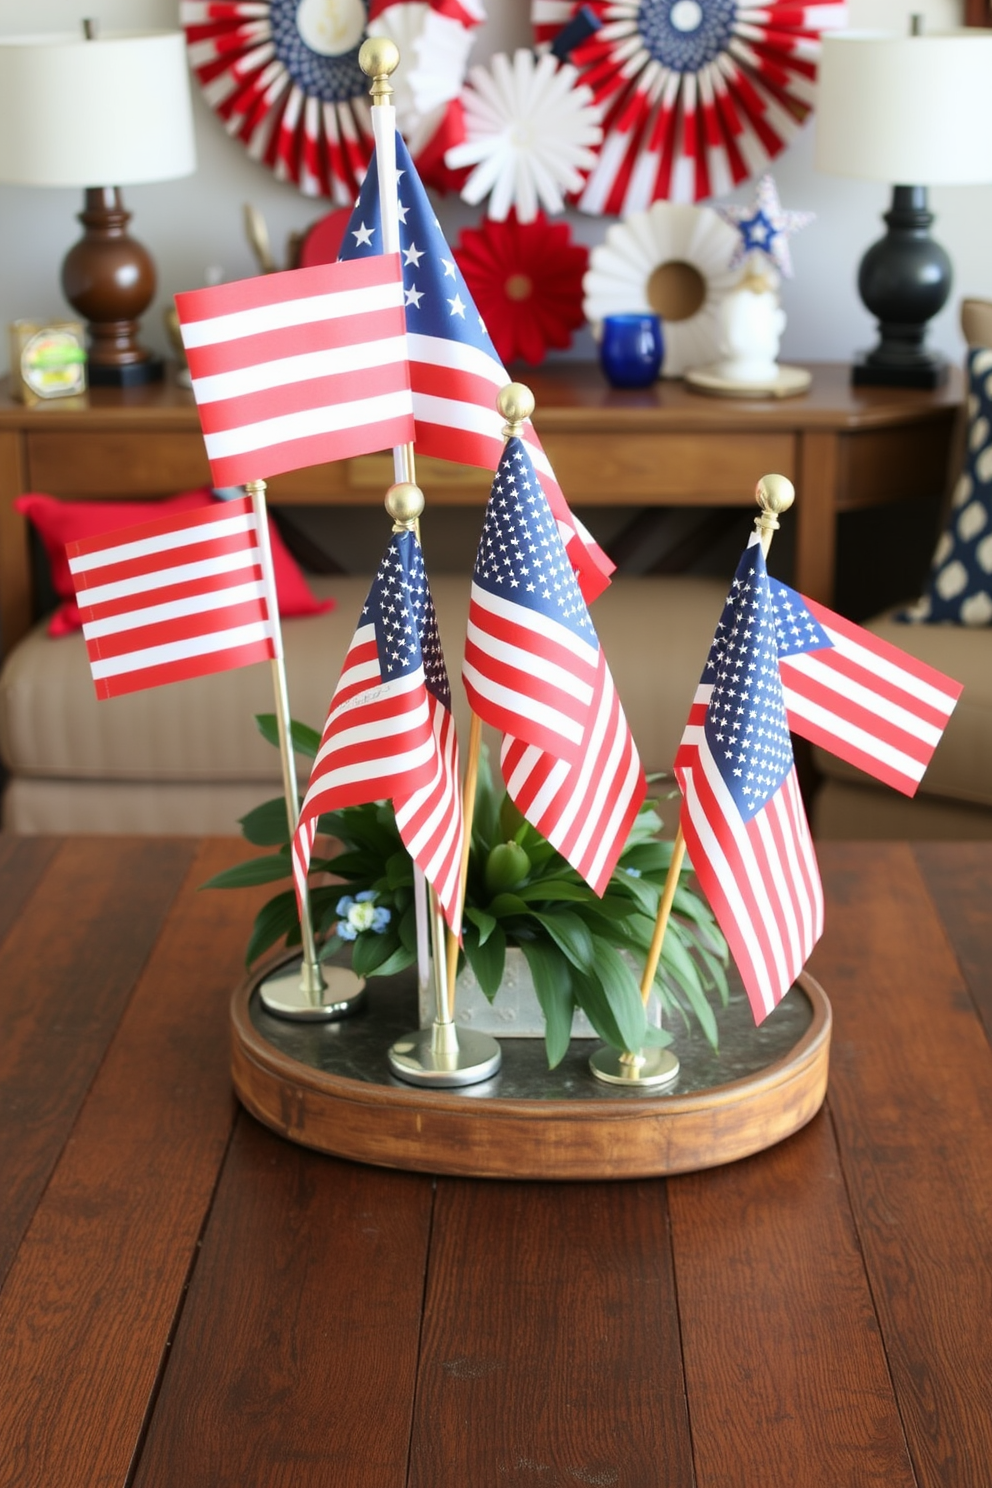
[91, 1297]
[67, 969]
[783, 1361]
[550, 1351]
[23, 861]
[295, 1361]
[438, 1131]
[911, 1097]
[958, 876]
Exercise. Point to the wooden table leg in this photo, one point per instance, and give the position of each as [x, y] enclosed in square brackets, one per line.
[15, 566]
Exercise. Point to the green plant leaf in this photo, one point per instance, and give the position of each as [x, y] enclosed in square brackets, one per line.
[248, 875]
[485, 820]
[487, 961]
[484, 923]
[622, 993]
[266, 826]
[682, 967]
[571, 935]
[553, 889]
[553, 985]
[645, 894]
[370, 951]
[507, 866]
[331, 946]
[505, 905]
[306, 741]
[274, 920]
[408, 929]
[398, 961]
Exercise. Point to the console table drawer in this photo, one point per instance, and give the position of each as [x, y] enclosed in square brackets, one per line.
[115, 462]
[680, 469]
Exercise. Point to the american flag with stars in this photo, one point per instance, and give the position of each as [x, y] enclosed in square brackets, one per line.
[389, 730]
[857, 695]
[742, 814]
[454, 368]
[534, 668]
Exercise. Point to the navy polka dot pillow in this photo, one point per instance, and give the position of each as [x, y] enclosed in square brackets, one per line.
[959, 589]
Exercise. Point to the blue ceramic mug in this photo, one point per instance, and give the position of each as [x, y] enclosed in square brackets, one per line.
[632, 348]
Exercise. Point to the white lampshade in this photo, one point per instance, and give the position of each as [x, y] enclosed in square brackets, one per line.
[907, 110]
[108, 112]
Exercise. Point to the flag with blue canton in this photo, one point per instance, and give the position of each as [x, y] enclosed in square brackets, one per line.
[742, 814]
[534, 668]
[454, 369]
[389, 730]
[857, 695]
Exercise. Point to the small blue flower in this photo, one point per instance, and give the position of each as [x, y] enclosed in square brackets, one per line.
[632, 872]
[361, 913]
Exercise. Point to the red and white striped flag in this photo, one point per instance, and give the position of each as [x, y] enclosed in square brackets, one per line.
[389, 731]
[181, 597]
[742, 814]
[455, 371]
[299, 368]
[857, 695]
[535, 669]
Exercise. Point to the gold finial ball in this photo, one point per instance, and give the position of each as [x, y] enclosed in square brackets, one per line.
[515, 402]
[378, 56]
[404, 501]
[775, 494]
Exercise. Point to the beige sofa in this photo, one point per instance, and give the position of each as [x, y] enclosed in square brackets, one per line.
[188, 758]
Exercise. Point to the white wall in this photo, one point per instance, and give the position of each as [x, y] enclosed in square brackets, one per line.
[195, 225]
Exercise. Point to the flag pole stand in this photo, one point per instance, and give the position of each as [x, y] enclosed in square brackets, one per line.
[300, 991]
[442, 1055]
[653, 1067]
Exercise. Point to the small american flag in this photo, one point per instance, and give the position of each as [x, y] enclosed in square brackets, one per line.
[181, 597]
[298, 368]
[742, 814]
[455, 371]
[857, 695]
[535, 669]
[389, 731]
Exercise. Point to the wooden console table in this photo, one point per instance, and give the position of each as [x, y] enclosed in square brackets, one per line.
[845, 448]
[188, 1299]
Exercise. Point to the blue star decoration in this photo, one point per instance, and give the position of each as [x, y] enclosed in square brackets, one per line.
[765, 226]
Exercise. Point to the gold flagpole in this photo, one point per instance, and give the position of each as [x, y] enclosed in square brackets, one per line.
[774, 494]
[516, 404]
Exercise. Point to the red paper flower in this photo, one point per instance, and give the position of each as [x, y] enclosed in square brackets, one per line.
[526, 279]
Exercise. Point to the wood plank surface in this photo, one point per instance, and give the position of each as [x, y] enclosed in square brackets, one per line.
[551, 1350]
[91, 1297]
[958, 876]
[295, 1360]
[911, 1098]
[23, 861]
[67, 968]
[783, 1361]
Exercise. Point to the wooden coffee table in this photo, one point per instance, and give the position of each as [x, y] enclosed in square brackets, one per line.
[189, 1300]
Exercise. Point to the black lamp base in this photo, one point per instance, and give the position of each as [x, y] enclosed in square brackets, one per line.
[131, 374]
[904, 280]
[931, 373]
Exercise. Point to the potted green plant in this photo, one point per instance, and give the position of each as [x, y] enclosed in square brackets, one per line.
[583, 950]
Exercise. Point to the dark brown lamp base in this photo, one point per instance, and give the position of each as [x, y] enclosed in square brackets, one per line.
[109, 278]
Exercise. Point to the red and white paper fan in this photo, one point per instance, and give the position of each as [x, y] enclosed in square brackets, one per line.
[698, 95]
[284, 77]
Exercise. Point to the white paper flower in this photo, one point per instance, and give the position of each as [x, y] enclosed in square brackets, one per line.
[530, 130]
[433, 52]
[673, 259]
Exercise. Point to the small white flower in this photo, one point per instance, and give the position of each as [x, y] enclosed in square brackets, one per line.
[529, 133]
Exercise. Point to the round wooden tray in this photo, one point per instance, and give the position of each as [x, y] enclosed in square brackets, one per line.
[328, 1086]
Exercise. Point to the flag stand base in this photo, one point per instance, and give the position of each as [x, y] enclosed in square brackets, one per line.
[445, 1057]
[285, 995]
[330, 1086]
[649, 1067]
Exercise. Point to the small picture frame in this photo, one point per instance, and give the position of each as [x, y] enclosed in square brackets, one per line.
[47, 360]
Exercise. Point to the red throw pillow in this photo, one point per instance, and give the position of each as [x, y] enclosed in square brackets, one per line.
[60, 522]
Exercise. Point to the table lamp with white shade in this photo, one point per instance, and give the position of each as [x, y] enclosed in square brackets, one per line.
[900, 109]
[100, 112]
